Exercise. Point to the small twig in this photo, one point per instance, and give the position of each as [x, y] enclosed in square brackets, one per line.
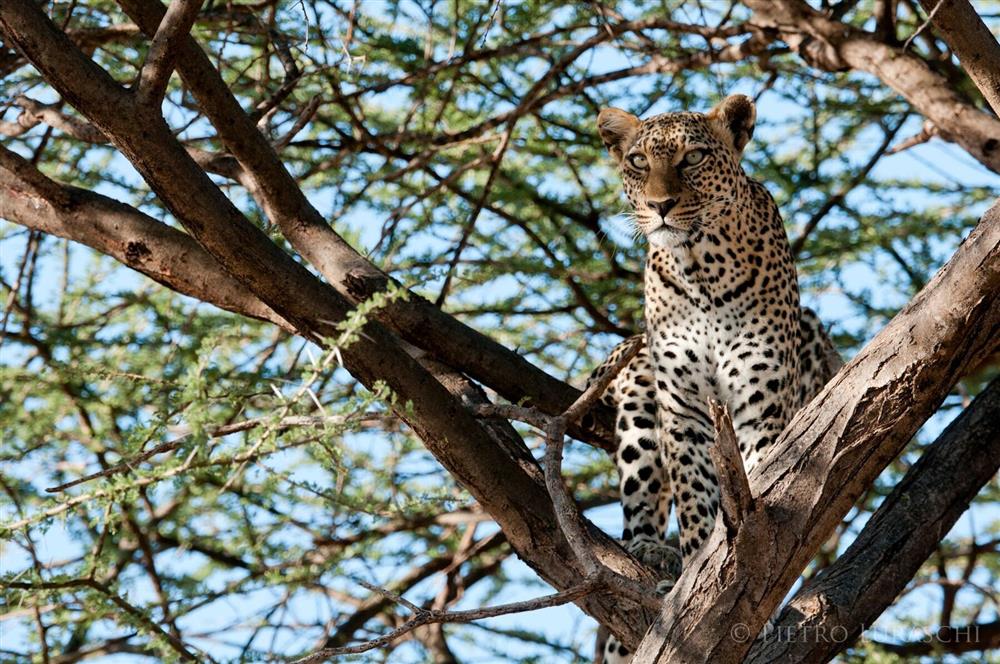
[284, 53]
[926, 133]
[394, 597]
[923, 26]
[736, 498]
[489, 23]
[159, 65]
[587, 400]
[567, 513]
[427, 617]
[305, 117]
[578, 408]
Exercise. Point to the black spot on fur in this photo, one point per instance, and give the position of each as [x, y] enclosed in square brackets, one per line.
[630, 454]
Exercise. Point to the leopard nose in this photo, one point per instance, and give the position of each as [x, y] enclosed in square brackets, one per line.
[662, 207]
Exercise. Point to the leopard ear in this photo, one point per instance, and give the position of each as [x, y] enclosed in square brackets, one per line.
[735, 117]
[617, 128]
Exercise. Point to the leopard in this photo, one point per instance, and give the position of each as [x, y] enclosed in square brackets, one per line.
[723, 322]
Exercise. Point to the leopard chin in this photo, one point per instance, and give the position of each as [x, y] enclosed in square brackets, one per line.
[665, 236]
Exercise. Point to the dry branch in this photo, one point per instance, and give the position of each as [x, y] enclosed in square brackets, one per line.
[427, 617]
[571, 521]
[567, 514]
[736, 499]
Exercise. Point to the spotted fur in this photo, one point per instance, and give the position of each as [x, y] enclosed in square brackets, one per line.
[723, 321]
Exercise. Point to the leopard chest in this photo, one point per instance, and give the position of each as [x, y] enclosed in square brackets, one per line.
[715, 315]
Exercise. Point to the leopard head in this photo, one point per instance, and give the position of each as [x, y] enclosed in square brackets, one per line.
[674, 166]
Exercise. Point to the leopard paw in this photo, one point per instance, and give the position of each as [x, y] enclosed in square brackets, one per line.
[665, 586]
[659, 555]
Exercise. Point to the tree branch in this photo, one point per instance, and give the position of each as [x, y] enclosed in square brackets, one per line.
[834, 46]
[426, 617]
[34, 113]
[904, 531]
[163, 50]
[158, 251]
[976, 47]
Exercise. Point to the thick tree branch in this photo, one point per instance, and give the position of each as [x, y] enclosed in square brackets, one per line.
[162, 253]
[834, 46]
[904, 531]
[950, 639]
[830, 454]
[976, 47]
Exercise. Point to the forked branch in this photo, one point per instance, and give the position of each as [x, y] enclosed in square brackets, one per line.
[906, 529]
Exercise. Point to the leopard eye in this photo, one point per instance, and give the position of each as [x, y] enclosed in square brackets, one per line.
[693, 157]
[638, 161]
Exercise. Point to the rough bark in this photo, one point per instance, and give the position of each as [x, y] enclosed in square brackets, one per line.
[905, 530]
[154, 249]
[829, 454]
[834, 46]
[976, 47]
